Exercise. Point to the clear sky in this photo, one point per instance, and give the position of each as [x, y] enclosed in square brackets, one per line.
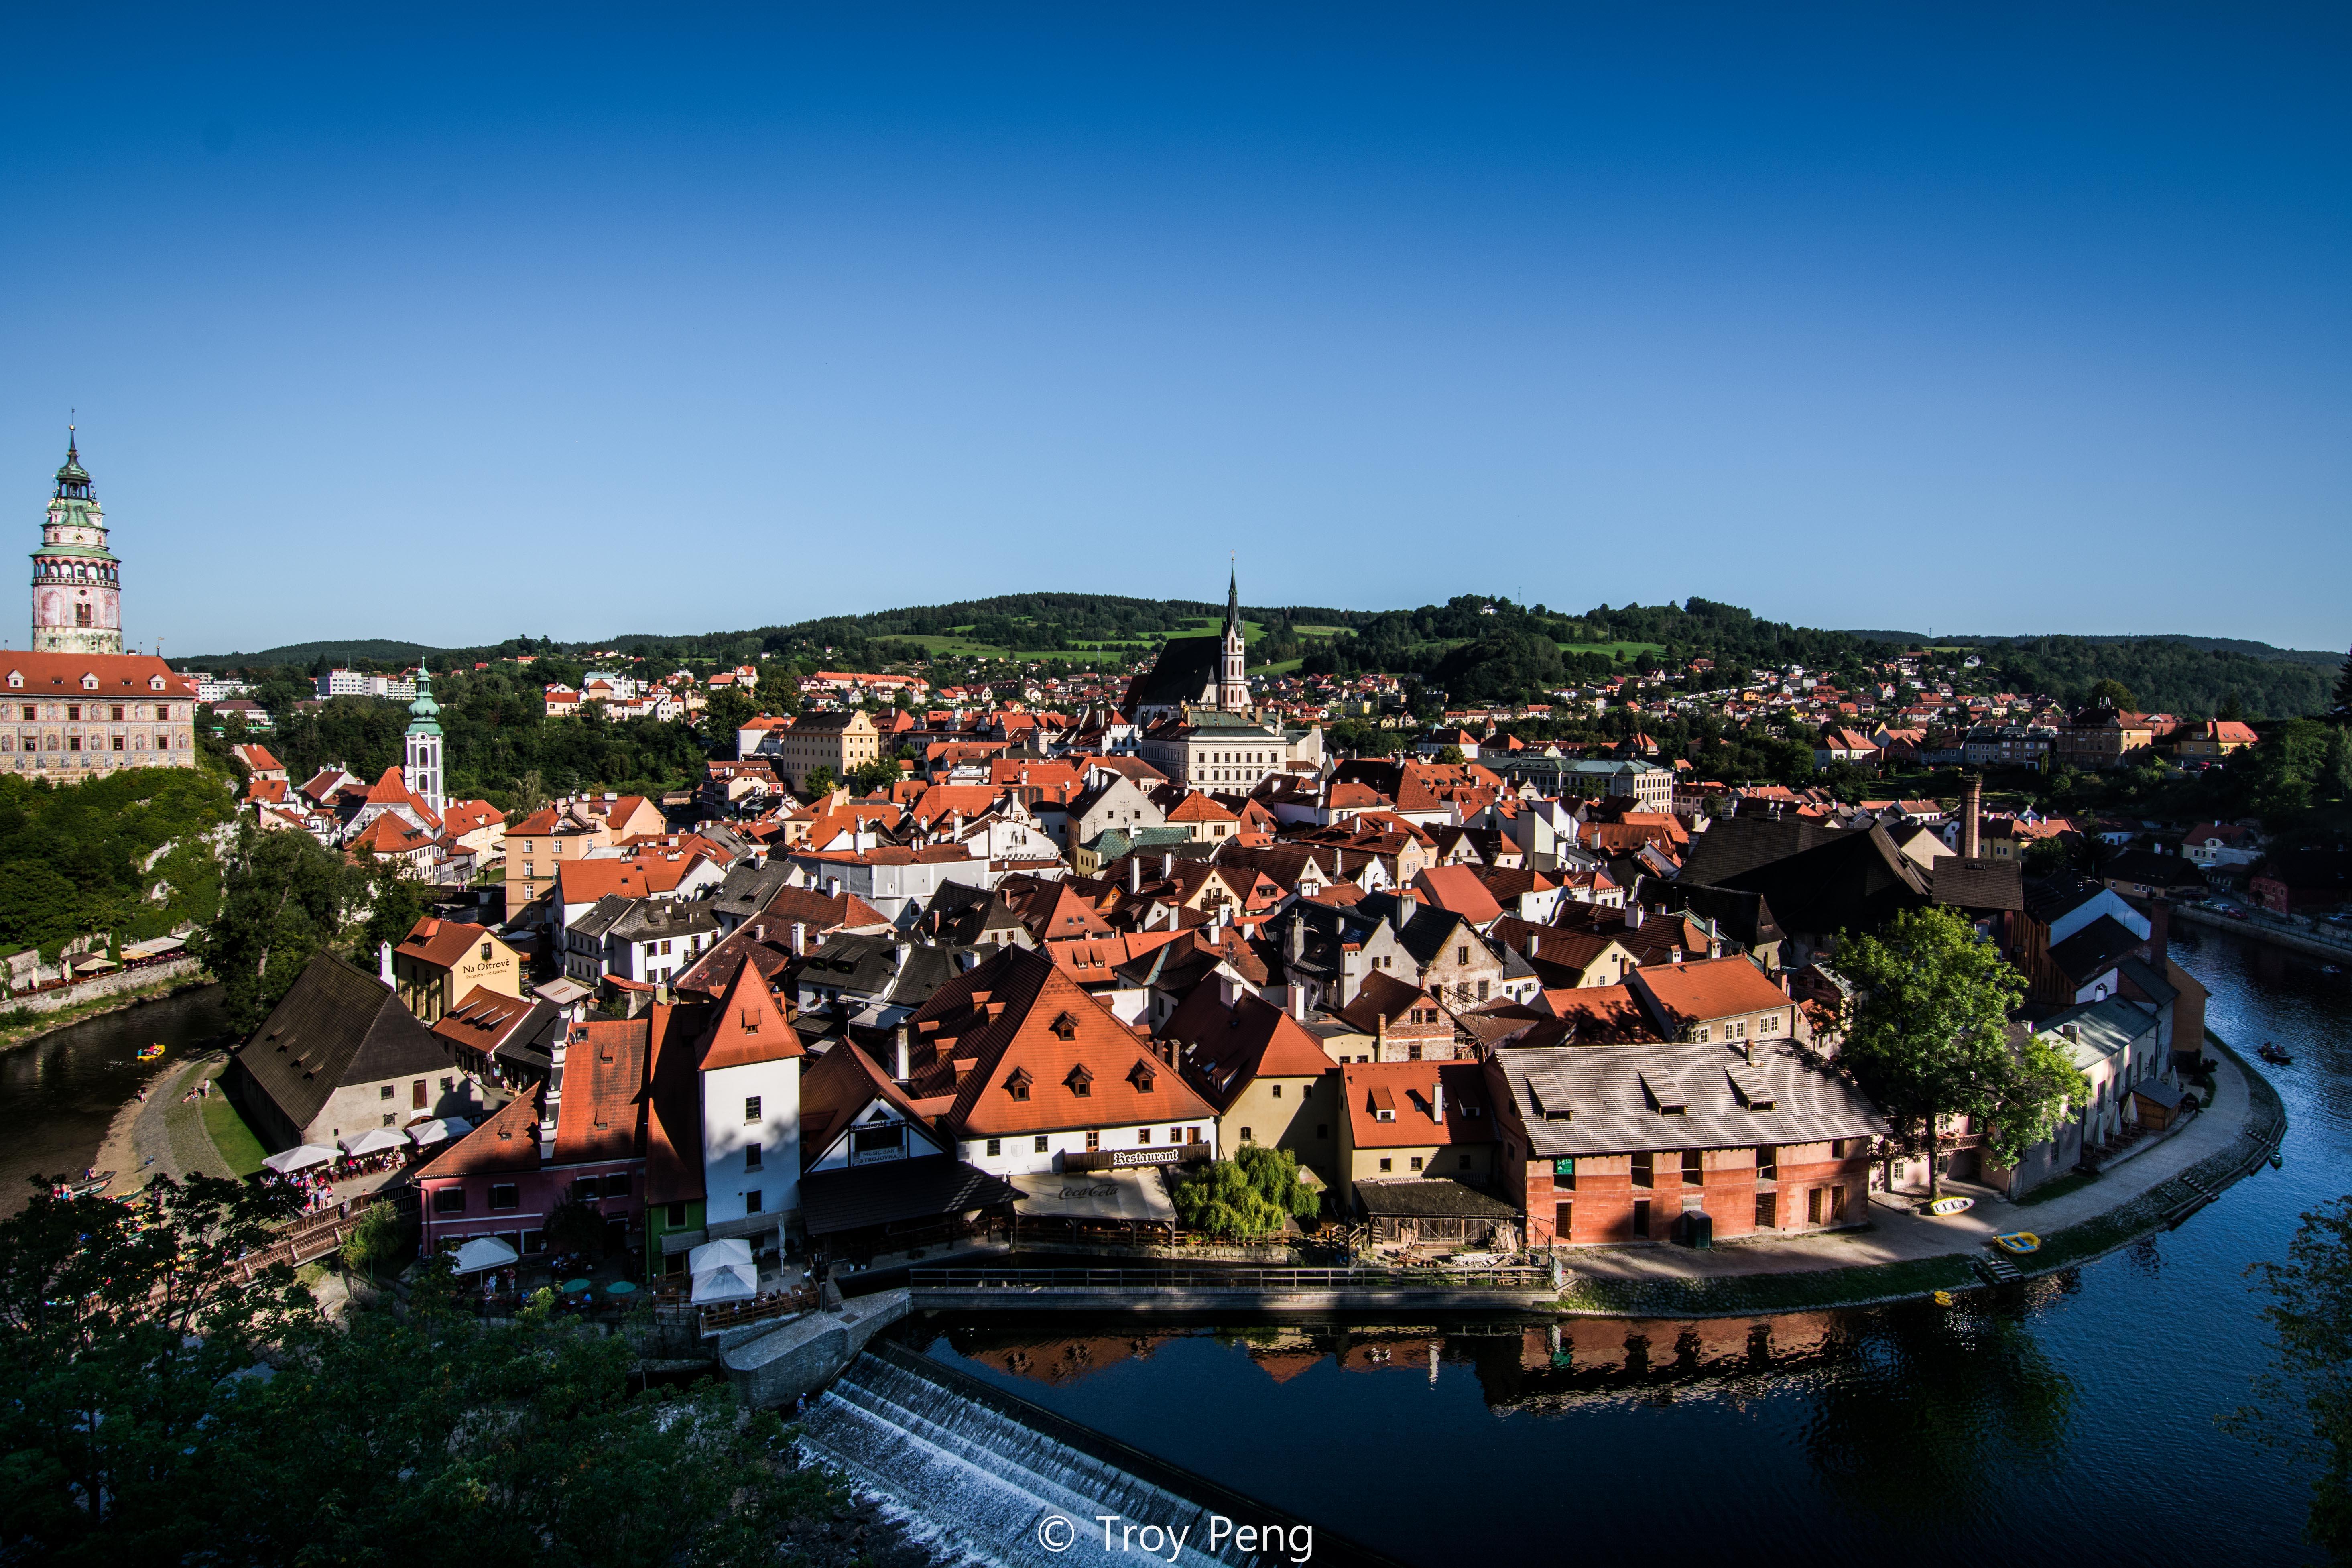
[455, 324]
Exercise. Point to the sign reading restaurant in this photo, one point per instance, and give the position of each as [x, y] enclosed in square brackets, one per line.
[1122, 1158]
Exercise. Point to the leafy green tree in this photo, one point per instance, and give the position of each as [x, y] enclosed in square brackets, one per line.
[395, 902]
[730, 708]
[1452, 757]
[1928, 1037]
[122, 1330]
[2305, 1397]
[818, 780]
[133, 1430]
[2339, 704]
[285, 898]
[874, 777]
[1249, 1194]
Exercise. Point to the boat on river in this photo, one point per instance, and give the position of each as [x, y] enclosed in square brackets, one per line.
[2273, 1054]
[91, 1186]
[2019, 1241]
[152, 1052]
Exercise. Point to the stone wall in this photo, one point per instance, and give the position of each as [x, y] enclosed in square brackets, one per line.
[804, 1355]
[123, 980]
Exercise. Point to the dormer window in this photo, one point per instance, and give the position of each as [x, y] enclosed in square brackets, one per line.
[90, 683]
[1081, 1082]
[1143, 1078]
[15, 680]
[1017, 1086]
[1065, 1027]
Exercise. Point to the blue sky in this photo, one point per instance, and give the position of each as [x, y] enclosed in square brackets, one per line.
[455, 324]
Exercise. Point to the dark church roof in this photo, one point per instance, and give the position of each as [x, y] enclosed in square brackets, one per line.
[1185, 671]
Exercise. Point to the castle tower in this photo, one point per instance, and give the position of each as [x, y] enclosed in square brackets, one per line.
[77, 581]
[1233, 686]
[421, 757]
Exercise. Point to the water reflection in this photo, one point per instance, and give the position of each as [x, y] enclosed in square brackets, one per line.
[1921, 1407]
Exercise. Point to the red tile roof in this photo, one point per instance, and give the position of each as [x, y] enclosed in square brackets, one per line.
[749, 1027]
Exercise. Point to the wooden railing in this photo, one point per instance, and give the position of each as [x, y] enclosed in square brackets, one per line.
[1506, 1277]
[734, 1315]
[308, 1238]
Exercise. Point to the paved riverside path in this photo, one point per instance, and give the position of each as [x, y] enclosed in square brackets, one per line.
[1897, 1234]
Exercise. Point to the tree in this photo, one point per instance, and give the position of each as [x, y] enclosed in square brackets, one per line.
[283, 898]
[1930, 1036]
[2111, 693]
[730, 708]
[122, 1328]
[1248, 1195]
[2339, 706]
[395, 901]
[1452, 757]
[2305, 1394]
[875, 777]
[818, 782]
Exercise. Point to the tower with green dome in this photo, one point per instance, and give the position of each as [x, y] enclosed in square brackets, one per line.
[77, 581]
[421, 765]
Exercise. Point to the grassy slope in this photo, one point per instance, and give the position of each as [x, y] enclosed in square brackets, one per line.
[231, 1136]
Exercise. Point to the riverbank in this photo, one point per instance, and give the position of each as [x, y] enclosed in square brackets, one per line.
[21, 1026]
[2314, 942]
[1902, 1255]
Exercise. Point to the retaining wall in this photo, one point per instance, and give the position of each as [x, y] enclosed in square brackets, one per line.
[804, 1355]
[103, 986]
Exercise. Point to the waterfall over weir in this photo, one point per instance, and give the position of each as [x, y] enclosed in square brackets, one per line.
[995, 1480]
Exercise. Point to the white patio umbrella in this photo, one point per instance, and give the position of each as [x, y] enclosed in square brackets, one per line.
[440, 1131]
[301, 1157]
[375, 1141]
[722, 1271]
[483, 1252]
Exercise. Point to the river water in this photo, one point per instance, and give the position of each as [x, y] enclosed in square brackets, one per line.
[2071, 1419]
[60, 1091]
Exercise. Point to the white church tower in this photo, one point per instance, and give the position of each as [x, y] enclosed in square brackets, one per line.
[1233, 686]
[420, 764]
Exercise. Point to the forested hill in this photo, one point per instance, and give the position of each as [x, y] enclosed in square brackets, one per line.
[1473, 648]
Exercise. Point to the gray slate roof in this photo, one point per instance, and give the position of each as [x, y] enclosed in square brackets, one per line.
[338, 1025]
[1605, 1099]
[1430, 1197]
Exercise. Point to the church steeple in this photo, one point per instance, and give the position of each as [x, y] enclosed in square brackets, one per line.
[1233, 686]
[421, 747]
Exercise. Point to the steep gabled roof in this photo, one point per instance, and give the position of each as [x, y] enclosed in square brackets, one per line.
[748, 1026]
[506, 1144]
[1226, 1049]
[337, 1024]
[600, 1114]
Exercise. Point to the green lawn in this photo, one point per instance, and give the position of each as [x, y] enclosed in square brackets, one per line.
[1612, 648]
[231, 1136]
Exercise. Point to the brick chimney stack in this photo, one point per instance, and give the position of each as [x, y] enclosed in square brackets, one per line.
[1971, 816]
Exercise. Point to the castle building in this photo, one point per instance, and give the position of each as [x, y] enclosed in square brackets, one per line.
[77, 581]
[76, 705]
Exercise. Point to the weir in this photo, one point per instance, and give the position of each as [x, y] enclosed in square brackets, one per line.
[1003, 1482]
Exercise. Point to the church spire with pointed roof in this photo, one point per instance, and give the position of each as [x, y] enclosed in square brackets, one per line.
[1232, 685]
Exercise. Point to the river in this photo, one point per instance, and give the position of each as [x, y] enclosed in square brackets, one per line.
[60, 1091]
[2072, 1418]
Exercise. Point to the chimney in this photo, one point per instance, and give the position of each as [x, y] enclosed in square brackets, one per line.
[384, 962]
[1633, 916]
[1534, 943]
[1437, 1100]
[1167, 865]
[2159, 934]
[1971, 810]
[905, 1052]
[800, 939]
[1294, 941]
[1401, 915]
[1134, 873]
